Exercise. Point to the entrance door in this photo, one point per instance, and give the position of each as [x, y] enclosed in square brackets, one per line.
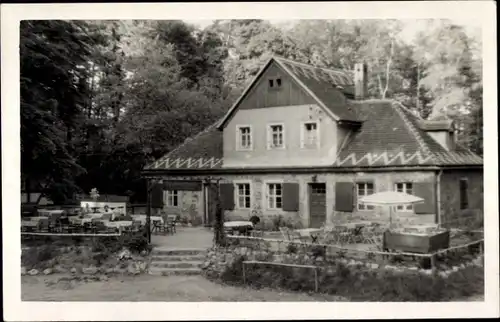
[317, 204]
[210, 196]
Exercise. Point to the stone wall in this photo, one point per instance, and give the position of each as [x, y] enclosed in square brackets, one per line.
[451, 214]
[383, 181]
[219, 260]
[190, 207]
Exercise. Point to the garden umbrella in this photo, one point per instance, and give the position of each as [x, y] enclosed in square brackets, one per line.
[390, 198]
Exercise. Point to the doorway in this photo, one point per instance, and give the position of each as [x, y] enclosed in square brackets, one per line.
[317, 204]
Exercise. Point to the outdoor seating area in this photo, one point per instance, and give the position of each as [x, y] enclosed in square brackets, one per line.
[367, 235]
[61, 222]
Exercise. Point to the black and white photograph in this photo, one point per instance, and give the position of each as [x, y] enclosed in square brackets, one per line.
[250, 159]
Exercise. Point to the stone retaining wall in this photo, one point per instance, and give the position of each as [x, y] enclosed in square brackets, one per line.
[219, 260]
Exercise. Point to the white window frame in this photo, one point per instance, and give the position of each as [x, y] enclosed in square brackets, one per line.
[270, 136]
[169, 195]
[303, 134]
[239, 147]
[360, 206]
[237, 194]
[404, 208]
[267, 195]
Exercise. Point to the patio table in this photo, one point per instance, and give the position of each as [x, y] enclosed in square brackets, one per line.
[142, 219]
[240, 226]
[310, 232]
[35, 219]
[49, 213]
[29, 223]
[117, 224]
[79, 221]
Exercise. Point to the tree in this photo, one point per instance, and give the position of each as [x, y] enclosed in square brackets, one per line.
[53, 91]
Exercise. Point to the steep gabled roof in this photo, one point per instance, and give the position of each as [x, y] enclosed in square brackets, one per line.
[203, 151]
[389, 136]
[328, 87]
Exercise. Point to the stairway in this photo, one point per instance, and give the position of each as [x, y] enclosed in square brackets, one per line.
[176, 261]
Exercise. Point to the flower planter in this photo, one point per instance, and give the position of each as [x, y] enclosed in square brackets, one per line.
[416, 243]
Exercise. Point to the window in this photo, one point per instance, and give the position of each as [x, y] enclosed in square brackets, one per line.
[310, 136]
[243, 196]
[274, 196]
[275, 83]
[364, 189]
[464, 198]
[405, 187]
[276, 136]
[172, 197]
[244, 138]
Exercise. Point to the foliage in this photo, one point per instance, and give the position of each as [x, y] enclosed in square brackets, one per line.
[37, 256]
[101, 99]
[361, 284]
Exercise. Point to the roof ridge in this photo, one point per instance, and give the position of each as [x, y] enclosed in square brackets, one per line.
[188, 139]
[399, 108]
[343, 71]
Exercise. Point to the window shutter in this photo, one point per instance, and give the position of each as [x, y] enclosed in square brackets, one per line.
[157, 196]
[290, 196]
[424, 190]
[344, 196]
[227, 196]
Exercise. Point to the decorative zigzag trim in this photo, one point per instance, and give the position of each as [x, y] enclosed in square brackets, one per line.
[372, 159]
[189, 163]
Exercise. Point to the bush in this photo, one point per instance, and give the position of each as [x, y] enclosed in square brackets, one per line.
[278, 222]
[361, 284]
[291, 249]
[37, 256]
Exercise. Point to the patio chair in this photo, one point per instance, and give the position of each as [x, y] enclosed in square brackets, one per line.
[344, 235]
[64, 225]
[43, 225]
[290, 235]
[136, 226]
[54, 224]
[171, 223]
[106, 217]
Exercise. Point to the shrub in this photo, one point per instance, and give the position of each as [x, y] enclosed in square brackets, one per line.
[291, 249]
[37, 256]
[277, 222]
[318, 251]
[361, 284]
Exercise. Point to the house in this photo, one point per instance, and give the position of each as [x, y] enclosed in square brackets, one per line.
[304, 143]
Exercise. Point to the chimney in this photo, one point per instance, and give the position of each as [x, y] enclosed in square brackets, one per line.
[360, 81]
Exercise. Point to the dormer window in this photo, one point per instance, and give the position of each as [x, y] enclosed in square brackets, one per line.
[275, 83]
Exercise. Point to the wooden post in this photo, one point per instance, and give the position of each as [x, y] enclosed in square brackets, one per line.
[316, 279]
[433, 263]
[244, 277]
[148, 211]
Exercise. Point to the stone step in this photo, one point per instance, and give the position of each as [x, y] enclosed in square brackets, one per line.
[178, 251]
[163, 271]
[185, 264]
[175, 258]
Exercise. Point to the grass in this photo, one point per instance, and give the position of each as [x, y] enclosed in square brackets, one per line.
[361, 284]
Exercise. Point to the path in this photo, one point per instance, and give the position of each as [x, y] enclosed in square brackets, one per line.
[152, 288]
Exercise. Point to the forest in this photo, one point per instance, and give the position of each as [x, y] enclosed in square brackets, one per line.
[101, 99]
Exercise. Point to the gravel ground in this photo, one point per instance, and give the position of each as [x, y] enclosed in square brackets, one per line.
[151, 288]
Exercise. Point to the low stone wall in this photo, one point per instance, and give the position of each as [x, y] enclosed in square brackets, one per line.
[220, 259]
[76, 260]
